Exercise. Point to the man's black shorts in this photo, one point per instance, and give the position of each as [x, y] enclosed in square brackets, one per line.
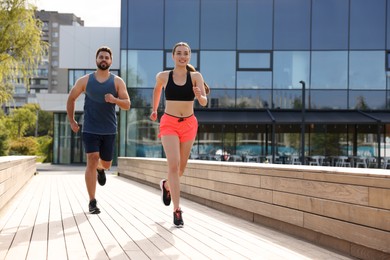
[104, 144]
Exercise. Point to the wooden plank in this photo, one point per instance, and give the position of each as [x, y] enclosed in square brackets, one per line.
[367, 216]
[21, 241]
[74, 244]
[12, 215]
[341, 192]
[38, 243]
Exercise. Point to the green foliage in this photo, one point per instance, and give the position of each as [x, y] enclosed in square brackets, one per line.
[21, 46]
[14, 129]
[19, 121]
[45, 151]
[45, 121]
[23, 146]
[4, 137]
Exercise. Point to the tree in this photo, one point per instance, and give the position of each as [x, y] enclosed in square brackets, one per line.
[19, 121]
[21, 46]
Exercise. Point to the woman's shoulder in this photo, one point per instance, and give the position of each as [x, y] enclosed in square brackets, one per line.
[163, 74]
[196, 75]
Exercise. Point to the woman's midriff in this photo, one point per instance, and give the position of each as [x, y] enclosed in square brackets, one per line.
[179, 108]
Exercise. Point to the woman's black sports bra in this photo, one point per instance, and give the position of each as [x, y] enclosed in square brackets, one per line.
[179, 93]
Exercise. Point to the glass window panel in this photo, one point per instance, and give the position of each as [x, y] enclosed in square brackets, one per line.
[222, 98]
[329, 70]
[142, 135]
[254, 80]
[327, 99]
[254, 24]
[254, 60]
[387, 61]
[367, 24]
[218, 24]
[292, 25]
[366, 70]
[253, 98]
[367, 100]
[143, 97]
[330, 24]
[145, 22]
[208, 143]
[291, 99]
[289, 68]
[143, 67]
[388, 27]
[124, 30]
[70, 79]
[169, 64]
[182, 22]
[123, 65]
[218, 68]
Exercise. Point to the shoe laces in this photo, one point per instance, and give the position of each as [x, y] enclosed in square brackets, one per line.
[178, 213]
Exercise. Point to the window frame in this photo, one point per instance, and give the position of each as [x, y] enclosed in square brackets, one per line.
[238, 68]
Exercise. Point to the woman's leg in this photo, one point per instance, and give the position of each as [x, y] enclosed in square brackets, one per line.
[171, 146]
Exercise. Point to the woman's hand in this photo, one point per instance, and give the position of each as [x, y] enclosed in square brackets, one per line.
[153, 116]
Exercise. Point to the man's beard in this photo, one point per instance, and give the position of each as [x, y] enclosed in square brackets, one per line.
[103, 66]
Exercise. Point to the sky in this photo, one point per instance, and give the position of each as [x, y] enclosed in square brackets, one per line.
[95, 13]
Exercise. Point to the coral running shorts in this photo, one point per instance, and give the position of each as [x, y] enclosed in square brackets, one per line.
[183, 127]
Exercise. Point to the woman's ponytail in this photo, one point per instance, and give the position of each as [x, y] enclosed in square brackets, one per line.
[192, 69]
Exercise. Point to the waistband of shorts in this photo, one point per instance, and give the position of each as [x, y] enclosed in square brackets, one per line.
[179, 117]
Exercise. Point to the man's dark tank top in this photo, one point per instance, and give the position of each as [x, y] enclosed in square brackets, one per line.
[99, 115]
[180, 93]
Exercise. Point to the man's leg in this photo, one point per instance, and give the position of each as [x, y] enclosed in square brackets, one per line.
[90, 173]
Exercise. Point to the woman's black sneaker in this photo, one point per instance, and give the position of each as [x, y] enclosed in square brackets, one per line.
[177, 218]
[165, 194]
[93, 209]
[101, 177]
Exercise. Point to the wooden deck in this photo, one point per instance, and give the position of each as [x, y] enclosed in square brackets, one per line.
[49, 219]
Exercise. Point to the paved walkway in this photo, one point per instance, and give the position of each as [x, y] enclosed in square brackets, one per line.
[49, 219]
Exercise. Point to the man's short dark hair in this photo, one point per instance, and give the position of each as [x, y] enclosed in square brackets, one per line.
[104, 48]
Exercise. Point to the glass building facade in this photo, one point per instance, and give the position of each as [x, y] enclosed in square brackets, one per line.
[256, 56]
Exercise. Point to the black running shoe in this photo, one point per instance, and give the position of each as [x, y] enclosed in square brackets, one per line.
[93, 209]
[101, 177]
[177, 218]
[165, 194]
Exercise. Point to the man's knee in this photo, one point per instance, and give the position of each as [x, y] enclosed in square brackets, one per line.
[105, 164]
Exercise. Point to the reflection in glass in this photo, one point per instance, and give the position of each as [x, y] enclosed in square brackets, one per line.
[367, 24]
[287, 99]
[222, 98]
[328, 99]
[289, 68]
[254, 60]
[218, 68]
[367, 100]
[254, 80]
[292, 25]
[182, 23]
[366, 70]
[330, 24]
[253, 98]
[218, 24]
[142, 68]
[259, 13]
[142, 135]
[151, 34]
[329, 70]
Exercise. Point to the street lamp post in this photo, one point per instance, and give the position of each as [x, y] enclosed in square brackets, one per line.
[303, 122]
